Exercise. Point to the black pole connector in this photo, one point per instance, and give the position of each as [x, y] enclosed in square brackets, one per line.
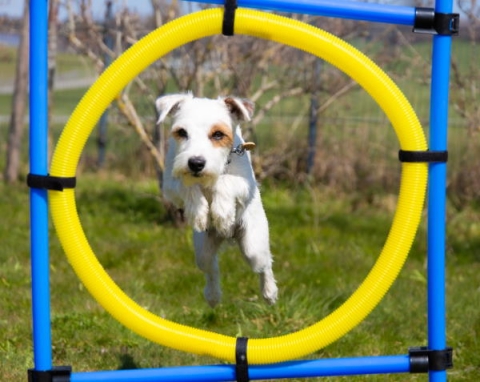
[424, 20]
[447, 24]
[48, 182]
[241, 367]
[429, 22]
[423, 360]
[57, 374]
[228, 24]
[428, 156]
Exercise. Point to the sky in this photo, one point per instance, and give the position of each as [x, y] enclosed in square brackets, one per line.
[14, 8]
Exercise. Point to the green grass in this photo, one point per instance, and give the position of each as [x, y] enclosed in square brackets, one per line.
[323, 250]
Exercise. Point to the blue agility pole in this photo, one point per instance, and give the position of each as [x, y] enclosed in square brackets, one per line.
[38, 196]
[437, 192]
[346, 9]
[293, 369]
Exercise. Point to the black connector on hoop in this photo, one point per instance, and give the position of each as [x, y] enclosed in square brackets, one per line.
[241, 367]
[57, 374]
[430, 22]
[422, 156]
[423, 360]
[48, 182]
[228, 24]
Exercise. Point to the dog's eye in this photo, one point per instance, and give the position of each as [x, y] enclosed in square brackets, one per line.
[181, 133]
[218, 135]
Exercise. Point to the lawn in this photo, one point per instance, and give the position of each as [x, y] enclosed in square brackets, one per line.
[323, 249]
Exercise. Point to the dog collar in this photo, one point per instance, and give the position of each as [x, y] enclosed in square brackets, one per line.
[240, 150]
[242, 147]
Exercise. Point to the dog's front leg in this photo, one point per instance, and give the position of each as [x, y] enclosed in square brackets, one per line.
[196, 208]
[206, 246]
[190, 199]
[227, 192]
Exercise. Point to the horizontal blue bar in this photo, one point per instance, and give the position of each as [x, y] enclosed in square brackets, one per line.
[293, 369]
[346, 9]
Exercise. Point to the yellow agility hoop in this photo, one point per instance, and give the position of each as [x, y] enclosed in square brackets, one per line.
[288, 32]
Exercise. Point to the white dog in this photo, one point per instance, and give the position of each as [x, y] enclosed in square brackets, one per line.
[208, 177]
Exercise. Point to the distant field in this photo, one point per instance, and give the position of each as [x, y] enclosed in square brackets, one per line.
[69, 67]
[8, 58]
[66, 63]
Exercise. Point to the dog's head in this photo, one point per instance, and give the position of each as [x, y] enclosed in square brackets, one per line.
[203, 132]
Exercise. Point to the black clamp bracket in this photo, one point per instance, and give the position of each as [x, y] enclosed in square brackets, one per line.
[430, 22]
[241, 367]
[423, 360]
[229, 17]
[423, 156]
[57, 374]
[48, 182]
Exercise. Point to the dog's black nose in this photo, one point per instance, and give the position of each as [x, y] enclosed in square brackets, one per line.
[196, 164]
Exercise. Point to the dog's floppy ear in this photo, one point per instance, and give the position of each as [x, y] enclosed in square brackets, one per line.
[169, 103]
[241, 109]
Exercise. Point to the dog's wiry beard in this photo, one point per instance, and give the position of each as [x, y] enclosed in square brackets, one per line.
[189, 178]
[203, 179]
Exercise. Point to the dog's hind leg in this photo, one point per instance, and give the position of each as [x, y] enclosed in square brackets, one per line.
[254, 243]
[206, 247]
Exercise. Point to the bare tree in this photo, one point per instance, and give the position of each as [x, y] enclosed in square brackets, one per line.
[17, 119]
[249, 67]
[52, 58]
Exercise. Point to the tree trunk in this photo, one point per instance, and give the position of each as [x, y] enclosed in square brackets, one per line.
[312, 127]
[19, 100]
[52, 62]
[109, 26]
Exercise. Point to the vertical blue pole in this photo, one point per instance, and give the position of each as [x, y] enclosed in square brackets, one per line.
[437, 192]
[38, 197]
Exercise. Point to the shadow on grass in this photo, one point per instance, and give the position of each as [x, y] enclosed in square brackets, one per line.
[141, 207]
[127, 362]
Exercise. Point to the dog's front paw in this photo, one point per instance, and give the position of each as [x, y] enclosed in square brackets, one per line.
[198, 219]
[223, 217]
[200, 222]
[270, 294]
[269, 288]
